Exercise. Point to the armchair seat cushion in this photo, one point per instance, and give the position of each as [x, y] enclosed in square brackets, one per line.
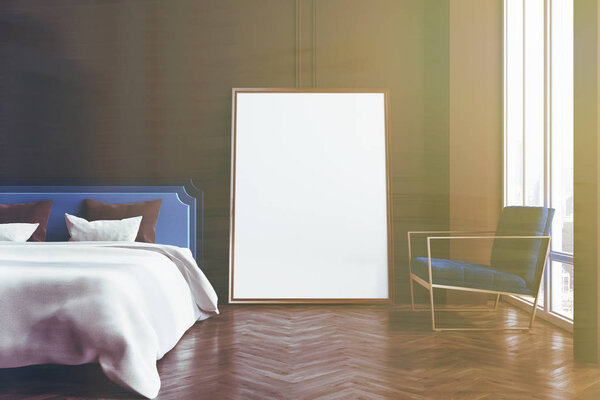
[469, 275]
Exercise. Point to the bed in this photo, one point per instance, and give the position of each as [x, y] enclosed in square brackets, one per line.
[123, 305]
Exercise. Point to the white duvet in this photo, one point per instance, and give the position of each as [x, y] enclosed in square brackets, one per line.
[123, 305]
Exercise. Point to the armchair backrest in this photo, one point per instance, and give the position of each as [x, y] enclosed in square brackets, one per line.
[523, 257]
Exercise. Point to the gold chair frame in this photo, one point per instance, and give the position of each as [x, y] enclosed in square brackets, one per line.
[429, 285]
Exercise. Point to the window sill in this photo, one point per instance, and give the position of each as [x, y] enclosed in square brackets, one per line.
[553, 318]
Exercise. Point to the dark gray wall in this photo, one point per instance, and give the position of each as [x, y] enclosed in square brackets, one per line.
[142, 89]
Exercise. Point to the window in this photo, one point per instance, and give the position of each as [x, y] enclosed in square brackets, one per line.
[538, 131]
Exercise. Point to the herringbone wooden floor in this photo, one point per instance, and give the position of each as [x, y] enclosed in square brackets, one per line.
[340, 352]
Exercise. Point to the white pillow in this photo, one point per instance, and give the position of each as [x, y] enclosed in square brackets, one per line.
[16, 232]
[121, 230]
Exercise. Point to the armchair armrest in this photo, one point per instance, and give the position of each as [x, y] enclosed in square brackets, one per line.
[419, 232]
[430, 238]
[436, 232]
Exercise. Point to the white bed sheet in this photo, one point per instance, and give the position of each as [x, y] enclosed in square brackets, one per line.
[123, 305]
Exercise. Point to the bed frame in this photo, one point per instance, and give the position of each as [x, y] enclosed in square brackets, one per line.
[176, 222]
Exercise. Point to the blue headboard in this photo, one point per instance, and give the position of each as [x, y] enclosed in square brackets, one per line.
[176, 221]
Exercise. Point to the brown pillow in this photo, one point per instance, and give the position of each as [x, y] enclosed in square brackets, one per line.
[28, 213]
[149, 210]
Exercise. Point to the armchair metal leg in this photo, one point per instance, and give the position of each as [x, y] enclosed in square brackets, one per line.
[412, 296]
[432, 308]
[520, 328]
[533, 310]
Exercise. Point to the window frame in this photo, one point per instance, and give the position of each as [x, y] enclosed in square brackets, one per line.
[544, 310]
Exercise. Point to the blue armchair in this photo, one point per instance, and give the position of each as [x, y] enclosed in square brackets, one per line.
[519, 254]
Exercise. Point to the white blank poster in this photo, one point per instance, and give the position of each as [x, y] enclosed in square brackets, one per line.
[309, 216]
